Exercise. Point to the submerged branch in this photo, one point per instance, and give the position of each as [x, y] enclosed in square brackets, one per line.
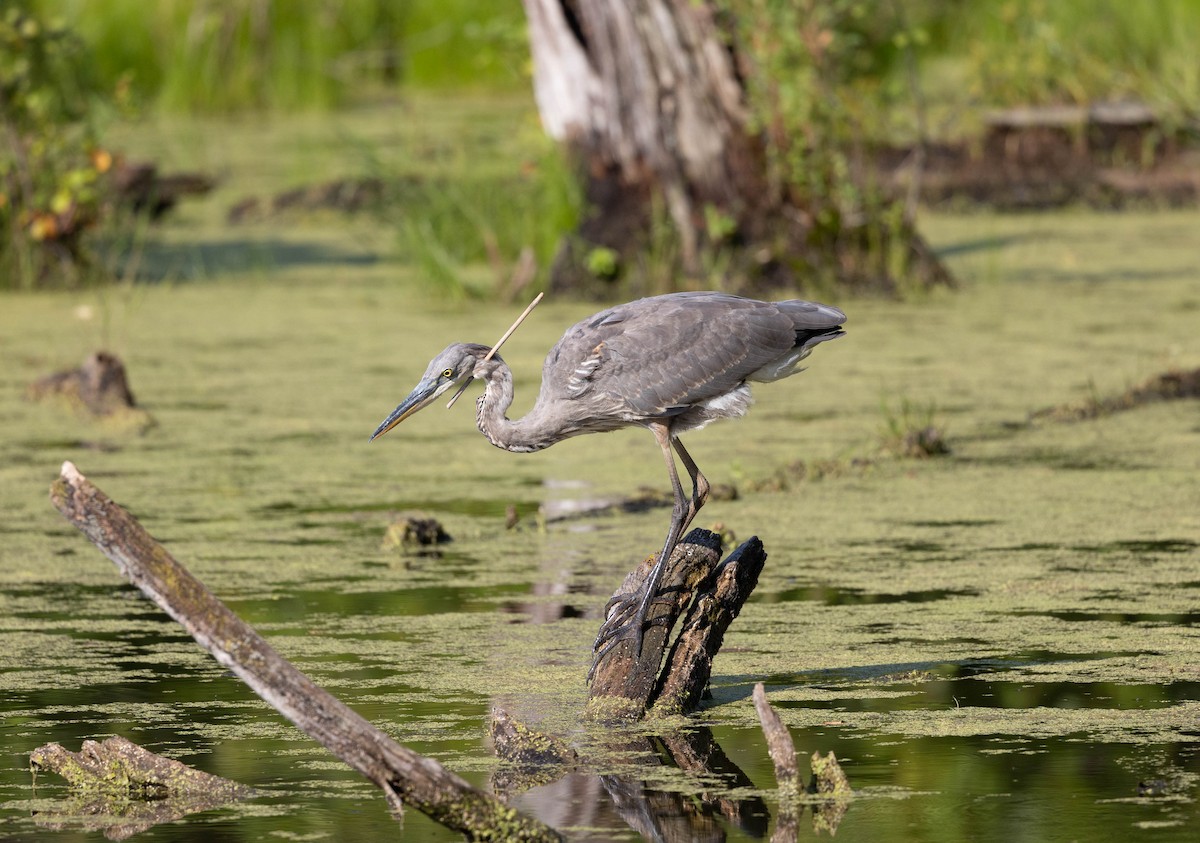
[405, 777]
[122, 789]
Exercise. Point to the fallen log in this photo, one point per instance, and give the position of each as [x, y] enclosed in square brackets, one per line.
[122, 767]
[406, 777]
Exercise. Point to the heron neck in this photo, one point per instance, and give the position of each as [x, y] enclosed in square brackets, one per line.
[526, 434]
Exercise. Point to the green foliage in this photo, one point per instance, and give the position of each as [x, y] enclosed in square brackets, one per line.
[602, 262]
[49, 162]
[465, 44]
[1053, 51]
[468, 215]
[912, 430]
[808, 57]
[238, 55]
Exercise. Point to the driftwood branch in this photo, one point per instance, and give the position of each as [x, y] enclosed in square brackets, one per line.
[828, 792]
[406, 777]
[780, 746]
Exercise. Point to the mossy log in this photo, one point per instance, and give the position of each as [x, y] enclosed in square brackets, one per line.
[406, 777]
[122, 768]
[121, 789]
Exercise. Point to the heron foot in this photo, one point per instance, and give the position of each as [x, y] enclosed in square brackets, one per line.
[616, 629]
[624, 619]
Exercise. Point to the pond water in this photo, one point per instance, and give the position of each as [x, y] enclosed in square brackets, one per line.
[999, 644]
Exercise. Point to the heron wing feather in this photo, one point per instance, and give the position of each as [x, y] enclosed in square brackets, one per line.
[657, 357]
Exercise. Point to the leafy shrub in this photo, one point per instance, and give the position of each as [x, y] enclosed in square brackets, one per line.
[50, 165]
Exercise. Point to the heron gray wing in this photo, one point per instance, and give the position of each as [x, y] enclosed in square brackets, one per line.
[656, 357]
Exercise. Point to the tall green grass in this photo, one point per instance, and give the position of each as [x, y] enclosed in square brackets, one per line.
[470, 216]
[229, 55]
[238, 55]
[1023, 51]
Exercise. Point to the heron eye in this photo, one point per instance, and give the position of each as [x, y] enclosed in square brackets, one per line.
[448, 374]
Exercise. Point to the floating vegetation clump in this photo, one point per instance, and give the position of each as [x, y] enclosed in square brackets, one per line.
[1175, 385]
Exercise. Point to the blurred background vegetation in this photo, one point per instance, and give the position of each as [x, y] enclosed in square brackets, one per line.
[234, 55]
[895, 70]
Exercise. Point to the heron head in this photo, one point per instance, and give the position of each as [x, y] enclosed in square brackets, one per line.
[453, 367]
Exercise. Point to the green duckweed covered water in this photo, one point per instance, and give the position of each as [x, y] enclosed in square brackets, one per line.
[1000, 643]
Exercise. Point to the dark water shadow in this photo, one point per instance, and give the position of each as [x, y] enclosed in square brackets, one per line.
[980, 244]
[1171, 618]
[720, 801]
[155, 262]
[836, 596]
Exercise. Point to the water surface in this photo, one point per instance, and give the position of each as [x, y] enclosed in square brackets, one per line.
[999, 644]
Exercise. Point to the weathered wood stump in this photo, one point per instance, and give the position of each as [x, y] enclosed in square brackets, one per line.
[625, 684]
[405, 777]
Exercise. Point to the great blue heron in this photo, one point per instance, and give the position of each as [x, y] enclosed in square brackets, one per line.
[668, 363]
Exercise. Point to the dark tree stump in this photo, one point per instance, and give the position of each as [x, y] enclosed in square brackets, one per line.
[99, 388]
[623, 680]
[719, 600]
[625, 684]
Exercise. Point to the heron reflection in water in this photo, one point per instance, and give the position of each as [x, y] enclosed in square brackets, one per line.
[669, 363]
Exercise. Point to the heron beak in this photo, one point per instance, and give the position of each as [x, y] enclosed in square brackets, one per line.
[420, 398]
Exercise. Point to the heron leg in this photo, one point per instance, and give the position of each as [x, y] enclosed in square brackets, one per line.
[681, 515]
[624, 617]
[700, 484]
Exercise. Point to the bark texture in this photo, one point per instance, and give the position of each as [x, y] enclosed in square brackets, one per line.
[406, 777]
[622, 680]
[624, 684]
[718, 602]
[647, 93]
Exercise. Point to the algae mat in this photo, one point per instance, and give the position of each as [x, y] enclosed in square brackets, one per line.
[999, 643]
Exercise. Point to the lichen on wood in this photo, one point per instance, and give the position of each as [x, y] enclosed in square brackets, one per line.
[122, 789]
[121, 767]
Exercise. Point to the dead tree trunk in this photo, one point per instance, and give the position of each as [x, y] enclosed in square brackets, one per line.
[406, 777]
[646, 94]
[649, 97]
